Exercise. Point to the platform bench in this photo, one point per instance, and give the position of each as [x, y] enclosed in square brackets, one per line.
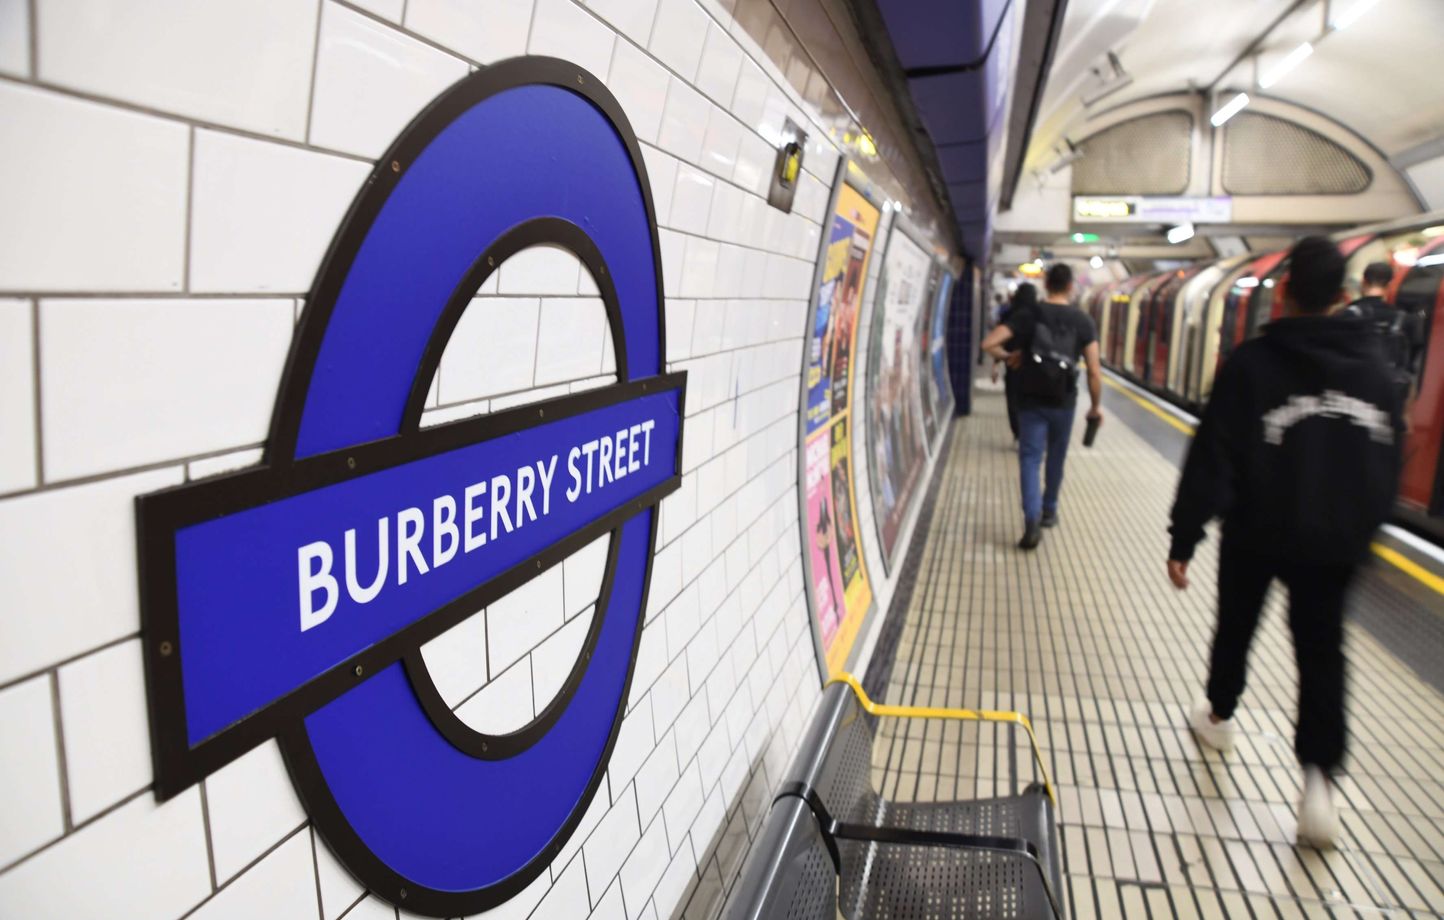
[832, 846]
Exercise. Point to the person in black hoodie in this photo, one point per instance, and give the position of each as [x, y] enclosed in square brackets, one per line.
[1298, 452]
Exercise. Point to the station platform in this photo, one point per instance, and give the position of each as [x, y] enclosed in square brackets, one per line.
[1088, 637]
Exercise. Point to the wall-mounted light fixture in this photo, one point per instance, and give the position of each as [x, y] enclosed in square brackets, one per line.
[1229, 109]
[787, 168]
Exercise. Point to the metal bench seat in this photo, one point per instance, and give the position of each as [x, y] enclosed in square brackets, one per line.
[959, 860]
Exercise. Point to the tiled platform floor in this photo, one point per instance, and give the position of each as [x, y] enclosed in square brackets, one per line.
[1088, 637]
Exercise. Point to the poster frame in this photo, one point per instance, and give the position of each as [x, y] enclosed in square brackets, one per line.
[849, 175]
[899, 224]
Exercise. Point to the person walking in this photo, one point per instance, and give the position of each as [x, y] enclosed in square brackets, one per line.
[1298, 452]
[1400, 337]
[1025, 300]
[1050, 339]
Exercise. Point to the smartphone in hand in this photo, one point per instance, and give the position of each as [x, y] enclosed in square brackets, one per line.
[1091, 432]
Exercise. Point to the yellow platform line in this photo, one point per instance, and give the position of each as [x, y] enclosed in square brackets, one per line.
[1398, 560]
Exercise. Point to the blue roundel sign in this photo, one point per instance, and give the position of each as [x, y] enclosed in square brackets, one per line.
[291, 601]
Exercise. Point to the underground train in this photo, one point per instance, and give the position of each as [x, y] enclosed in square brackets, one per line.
[1170, 331]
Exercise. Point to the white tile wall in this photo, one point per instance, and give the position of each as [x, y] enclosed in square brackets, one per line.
[93, 196]
[17, 397]
[107, 749]
[67, 567]
[243, 63]
[262, 215]
[280, 887]
[15, 37]
[565, 30]
[167, 365]
[371, 80]
[190, 195]
[677, 36]
[29, 762]
[252, 807]
[498, 32]
[139, 862]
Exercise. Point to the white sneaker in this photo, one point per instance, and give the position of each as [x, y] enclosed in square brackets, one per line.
[1217, 735]
[1318, 818]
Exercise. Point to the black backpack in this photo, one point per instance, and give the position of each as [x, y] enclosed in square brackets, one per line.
[1396, 330]
[1050, 362]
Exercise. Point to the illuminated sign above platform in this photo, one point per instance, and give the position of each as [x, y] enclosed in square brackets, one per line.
[291, 601]
[1137, 209]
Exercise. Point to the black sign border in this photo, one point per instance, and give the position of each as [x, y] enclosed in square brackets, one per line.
[177, 766]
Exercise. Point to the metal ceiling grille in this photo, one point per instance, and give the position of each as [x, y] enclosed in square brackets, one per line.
[1264, 155]
[1148, 155]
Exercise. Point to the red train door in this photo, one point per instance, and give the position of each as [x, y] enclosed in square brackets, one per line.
[1421, 290]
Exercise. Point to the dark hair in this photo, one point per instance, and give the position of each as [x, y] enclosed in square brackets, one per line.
[1378, 274]
[1059, 278]
[1316, 274]
[1025, 296]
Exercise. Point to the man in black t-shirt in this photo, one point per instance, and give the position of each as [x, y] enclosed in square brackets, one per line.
[1398, 331]
[1052, 338]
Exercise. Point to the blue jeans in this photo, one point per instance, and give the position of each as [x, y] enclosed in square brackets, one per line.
[1041, 429]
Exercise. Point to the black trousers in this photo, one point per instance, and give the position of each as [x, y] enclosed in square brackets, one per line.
[1316, 620]
[1010, 393]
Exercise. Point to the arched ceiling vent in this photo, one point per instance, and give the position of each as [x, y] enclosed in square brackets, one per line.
[1264, 155]
[1148, 155]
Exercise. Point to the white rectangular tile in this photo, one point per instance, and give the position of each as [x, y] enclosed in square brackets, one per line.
[280, 887]
[141, 861]
[371, 80]
[263, 215]
[691, 200]
[565, 30]
[492, 349]
[570, 340]
[658, 773]
[678, 34]
[634, 743]
[30, 764]
[640, 85]
[567, 898]
[607, 847]
[15, 37]
[662, 173]
[110, 184]
[682, 805]
[552, 661]
[582, 574]
[485, 34]
[456, 659]
[672, 886]
[182, 377]
[243, 63]
[386, 9]
[684, 121]
[17, 396]
[699, 268]
[721, 62]
[517, 622]
[539, 270]
[252, 806]
[67, 569]
[106, 729]
[504, 705]
[755, 160]
[633, 18]
[223, 463]
[644, 867]
[750, 96]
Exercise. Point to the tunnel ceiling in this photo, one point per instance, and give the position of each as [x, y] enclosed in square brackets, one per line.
[1377, 77]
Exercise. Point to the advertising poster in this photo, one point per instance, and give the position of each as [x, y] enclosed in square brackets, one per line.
[896, 441]
[841, 595]
[938, 399]
[922, 341]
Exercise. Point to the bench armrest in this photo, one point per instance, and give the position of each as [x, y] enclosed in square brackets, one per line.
[935, 712]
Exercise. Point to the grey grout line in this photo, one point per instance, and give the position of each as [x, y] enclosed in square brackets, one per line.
[316, 872]
[190, 210]
[210, 838]
[62, 765]
[37, 396]
[315, 72]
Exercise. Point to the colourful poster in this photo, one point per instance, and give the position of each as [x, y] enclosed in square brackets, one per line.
[942, 389]
[896, 437]
[841, 595]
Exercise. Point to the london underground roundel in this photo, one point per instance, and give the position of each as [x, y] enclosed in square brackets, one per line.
[291, 601]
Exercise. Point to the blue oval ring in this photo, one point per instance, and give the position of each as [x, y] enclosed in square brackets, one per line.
[528, 151]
